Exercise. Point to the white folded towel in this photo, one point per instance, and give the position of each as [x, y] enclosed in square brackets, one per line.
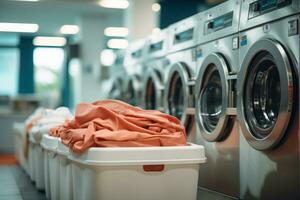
[50, 119]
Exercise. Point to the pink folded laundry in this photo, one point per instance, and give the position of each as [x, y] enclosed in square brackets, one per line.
[112, 123]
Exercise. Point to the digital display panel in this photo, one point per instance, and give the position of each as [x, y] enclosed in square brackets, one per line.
[137, 54]
[261, 7]
[219, 23]
[156, 47]
[184, 36]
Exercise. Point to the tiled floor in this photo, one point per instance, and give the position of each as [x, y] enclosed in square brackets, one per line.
[16, 185]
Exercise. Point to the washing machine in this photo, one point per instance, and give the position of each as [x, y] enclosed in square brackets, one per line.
[116, 91]
[180, 78]
[215, 101]
[156, 67]
[134, 66]
[118, 79]
[268, 100]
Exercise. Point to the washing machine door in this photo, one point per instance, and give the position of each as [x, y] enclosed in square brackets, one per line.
[133, 90]
[179, 98]
[265, 94]
[153, 90]
[213, 98]
[116, 91]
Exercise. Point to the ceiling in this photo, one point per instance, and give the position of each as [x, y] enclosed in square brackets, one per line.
[51, 14]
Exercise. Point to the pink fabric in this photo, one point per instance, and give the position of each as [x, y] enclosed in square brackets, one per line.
[112, 123]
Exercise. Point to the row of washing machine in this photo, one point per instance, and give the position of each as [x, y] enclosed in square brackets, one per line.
[231, 75]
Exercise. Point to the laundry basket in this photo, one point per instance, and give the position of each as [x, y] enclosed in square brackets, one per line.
[19, 139]
[136, 173]
[31, 159]
[51, 166]
[65, 172]
[36, 162]
[39, 167]
[18, 131]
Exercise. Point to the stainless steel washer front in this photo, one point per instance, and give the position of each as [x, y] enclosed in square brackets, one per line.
[117, 89]
[268, 110]
[213, 98]
[153, 90]
[266, 91]
[180, 79]
[179, 99]
[133, 90]
[218, 129]
[134, 63]
[215, 91]
[156, 66]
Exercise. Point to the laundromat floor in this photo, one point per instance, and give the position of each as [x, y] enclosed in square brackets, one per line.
[16, 185]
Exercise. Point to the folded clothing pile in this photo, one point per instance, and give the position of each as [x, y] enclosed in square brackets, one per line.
[41, 121]
[33, 119]
[112, 123]
[29, 124]
[49, 119]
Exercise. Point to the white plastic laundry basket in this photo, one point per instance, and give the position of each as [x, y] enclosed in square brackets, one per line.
[18, 127]
[65, 172]
[51, 166]
[19, 140]
[31, 160]
[39, 167]
[46, 173]
[36, 163]
[136, 173]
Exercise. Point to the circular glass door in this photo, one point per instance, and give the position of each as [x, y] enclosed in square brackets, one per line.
[131, 94]
[212, 98]
[265, 94]
[210, 101]
[116, 91]
[150, 95]
[133, 91]
[178, 94]
[153, 90]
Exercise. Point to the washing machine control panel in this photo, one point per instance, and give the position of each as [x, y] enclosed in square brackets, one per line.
[154, 47]
[218, 23]
[261, 7]
[137, 54]
[184, 36]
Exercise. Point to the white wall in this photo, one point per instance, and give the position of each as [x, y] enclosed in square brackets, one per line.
[92, 42]
[140, 19]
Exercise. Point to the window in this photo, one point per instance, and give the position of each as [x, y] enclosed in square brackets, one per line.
[48, 64]
[9, 71]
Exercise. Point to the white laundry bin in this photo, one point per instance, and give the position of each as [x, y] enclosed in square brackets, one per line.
[39, 168]
[19, 142]
[18, 131]
[136, 173]
[36, 162]
[51, 166]
[31, 158]
[65, 172]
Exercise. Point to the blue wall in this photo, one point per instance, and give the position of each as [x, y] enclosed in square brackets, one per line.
[26, 74]
[175, 10]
